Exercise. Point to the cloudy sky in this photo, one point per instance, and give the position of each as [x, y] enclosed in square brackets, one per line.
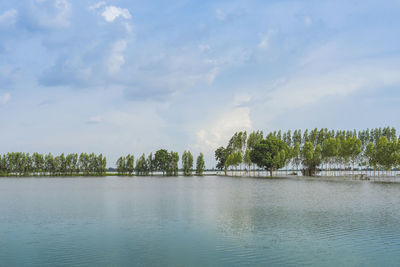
[121, 77]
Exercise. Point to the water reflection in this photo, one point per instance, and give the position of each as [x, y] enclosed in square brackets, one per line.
[198, 221]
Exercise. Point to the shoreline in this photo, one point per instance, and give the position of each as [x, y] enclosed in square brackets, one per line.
[386, 179]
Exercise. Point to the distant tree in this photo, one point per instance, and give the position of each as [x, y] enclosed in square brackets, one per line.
[101, 165]
[296, 156]
[49, 164]
[200, 165]
[161, 160]
[130, 161]
[27, 164]
[150, 164]
[247, 159]
[330, 150]
[387, 152]
[270, 154]
[187, 163]
[221, 155]
[121, 165]
[74, 163]
[312, 158]
[173, 165]
[38, 163]
[237, 160]
[142, 167]
[230, 160]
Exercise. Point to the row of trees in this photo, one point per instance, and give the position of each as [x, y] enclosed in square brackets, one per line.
[328, 152]
[24, 164]
[162, 161]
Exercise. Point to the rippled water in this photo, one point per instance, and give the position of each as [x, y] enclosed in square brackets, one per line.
[210, 221]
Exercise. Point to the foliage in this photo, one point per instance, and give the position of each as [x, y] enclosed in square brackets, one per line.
[142, 166]
[221, 155]
[24, 164]
[200, 165]
[309, 149]
[270, 154]
[187, 163]
[162, 161]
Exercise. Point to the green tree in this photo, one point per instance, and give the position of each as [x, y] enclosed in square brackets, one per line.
[237, 160]
[187, 163]
[74, 163]
[173, 165]
[270, 154]
[200, 165]
[387, 152]
[162, 160]
[330, 150]
[103, 164]
[312, 158]
[247, 159]
[296, 156]
[130, 161]
[142, 167]
[221, 155]
[370, 155]
[84, 163]
[150, 163]
[38, 163]
[49, 164]
[121, 165]
[230, 159]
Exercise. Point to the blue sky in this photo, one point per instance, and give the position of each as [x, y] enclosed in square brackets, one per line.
[118, 77]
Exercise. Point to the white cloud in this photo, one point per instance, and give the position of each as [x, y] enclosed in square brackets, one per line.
[265, 39]
[63, 8]
[97, 5]
[5, 98]
[302, 90]
[179, 69]
[242, 99]
[53, 15]
[128, 27]
[111, 13]
[317, 83]
[8, 17]
[218, 132]
[116, 59]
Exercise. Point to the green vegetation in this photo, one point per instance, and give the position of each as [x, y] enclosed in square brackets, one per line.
[24, 164]
[200, 165]
[318, 151]
[166, 162]
[313, 152]
[187, 163]
[270, 154]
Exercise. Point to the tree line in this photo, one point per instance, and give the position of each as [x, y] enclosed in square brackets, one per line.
[317, 151]
[162, 161]
[24, 164]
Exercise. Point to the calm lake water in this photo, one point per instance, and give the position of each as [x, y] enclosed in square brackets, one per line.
[210, 221]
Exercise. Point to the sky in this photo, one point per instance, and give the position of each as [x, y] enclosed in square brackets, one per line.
[119, 77]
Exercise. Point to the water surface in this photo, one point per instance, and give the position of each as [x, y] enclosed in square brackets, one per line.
[209, 221]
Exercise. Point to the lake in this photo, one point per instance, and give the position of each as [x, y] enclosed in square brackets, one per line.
[199, 221]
